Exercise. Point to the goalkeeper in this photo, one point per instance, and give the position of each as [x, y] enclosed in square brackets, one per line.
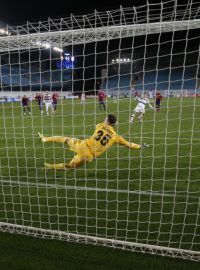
[86, 150]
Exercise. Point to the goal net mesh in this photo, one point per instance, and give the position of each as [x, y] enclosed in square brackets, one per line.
[140, 200]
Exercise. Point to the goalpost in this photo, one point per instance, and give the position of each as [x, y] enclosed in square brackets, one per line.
[146, 201]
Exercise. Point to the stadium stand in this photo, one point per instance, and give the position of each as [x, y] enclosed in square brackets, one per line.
[164, 79]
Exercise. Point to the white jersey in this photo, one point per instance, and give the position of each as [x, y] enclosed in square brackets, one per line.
[151, 94]
[47, 99]
[142, 102]
[83, 97]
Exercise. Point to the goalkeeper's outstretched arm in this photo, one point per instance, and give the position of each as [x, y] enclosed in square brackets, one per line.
[122, 141]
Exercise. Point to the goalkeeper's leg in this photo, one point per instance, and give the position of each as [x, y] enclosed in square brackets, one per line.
[74, 163]
[58, 139]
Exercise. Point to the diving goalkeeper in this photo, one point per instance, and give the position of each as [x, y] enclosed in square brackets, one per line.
[86, 150]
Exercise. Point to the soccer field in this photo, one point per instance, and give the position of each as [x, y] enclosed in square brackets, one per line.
[149, 196]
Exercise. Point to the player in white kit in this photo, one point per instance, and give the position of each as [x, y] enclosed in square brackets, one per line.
[48, 102]
[83, 98]
[140, 108]
[151, 94]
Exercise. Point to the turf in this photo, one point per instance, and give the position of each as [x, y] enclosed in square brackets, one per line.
[149, 196]
[28, 253]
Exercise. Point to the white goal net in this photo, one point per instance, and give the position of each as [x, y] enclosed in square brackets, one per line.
[62, 78]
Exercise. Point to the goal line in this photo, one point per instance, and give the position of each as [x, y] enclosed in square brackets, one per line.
[78, 238]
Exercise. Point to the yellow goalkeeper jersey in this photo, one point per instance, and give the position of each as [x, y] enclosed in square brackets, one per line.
[104, 137]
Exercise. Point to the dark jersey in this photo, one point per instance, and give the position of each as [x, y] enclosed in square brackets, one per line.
[158, 97]
[101, 96]
[25, 101]
[55, 98]
[39, 98]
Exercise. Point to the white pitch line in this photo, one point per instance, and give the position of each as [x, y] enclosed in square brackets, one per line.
[136, 192]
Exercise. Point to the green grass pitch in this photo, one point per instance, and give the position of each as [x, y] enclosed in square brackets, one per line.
[149, 197]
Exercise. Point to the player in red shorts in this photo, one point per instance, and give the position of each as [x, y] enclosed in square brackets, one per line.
[55, 101]
[158, 100]
[101, 98]
[25, 104]
[39, 99]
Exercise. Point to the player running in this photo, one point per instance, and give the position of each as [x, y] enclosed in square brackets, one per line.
[48, 102]
[87, 150]
[140, 108]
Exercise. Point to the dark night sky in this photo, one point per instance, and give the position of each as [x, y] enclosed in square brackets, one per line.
[20, 11]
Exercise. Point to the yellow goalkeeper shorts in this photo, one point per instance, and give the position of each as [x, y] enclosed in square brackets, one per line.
[80, 147]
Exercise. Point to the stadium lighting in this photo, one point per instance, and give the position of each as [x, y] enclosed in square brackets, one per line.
[47, 46]
[41, 44]
[58, 49]
[121, 60]
[4, 32]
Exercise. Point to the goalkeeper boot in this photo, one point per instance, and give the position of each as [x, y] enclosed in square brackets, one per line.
[47, 166]
[42, 138]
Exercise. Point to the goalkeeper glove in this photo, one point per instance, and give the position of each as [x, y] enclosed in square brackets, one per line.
[144, 145]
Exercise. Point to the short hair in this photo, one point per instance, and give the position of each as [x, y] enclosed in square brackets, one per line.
[111, 119]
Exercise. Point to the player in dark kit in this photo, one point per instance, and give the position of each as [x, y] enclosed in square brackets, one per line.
[54, 101]
[25, 104]
[101, 98]
[39, 99]
[158, 101]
